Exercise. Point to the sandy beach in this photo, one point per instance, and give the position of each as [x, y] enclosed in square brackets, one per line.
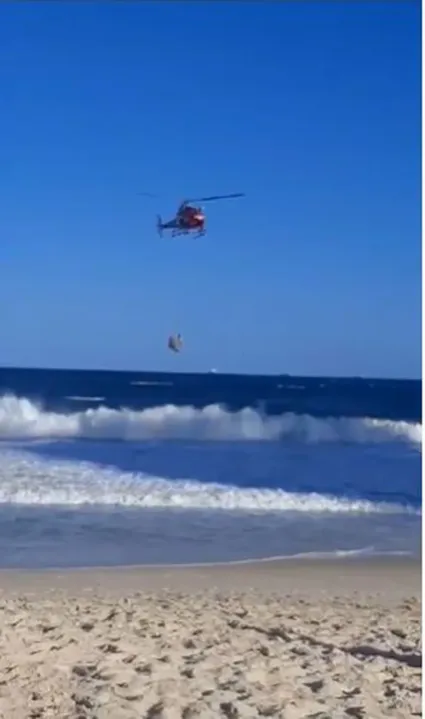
[294, 639]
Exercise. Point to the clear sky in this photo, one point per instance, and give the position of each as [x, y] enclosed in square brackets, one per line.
[310, 108]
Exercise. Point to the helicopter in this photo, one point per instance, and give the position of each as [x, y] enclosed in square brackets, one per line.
[175, 342]
[190, 219]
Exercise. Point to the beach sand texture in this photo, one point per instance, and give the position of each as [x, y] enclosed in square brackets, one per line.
[291, 640]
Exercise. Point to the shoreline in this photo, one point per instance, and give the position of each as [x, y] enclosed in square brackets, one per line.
[325, 558]
[349, 557]
[391, 577]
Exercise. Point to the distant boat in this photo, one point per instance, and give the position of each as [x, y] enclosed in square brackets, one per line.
[213, 371]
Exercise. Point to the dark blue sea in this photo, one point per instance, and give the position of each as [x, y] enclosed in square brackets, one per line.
[109, 468]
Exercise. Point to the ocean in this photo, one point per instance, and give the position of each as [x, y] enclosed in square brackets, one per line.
[122, 468]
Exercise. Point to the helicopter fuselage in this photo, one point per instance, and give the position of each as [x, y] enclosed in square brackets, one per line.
[187, 220]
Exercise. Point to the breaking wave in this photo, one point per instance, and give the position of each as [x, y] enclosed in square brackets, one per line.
[20, 418]
[28, 480]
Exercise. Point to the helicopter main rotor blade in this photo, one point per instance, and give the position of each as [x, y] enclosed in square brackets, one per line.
[217, 197]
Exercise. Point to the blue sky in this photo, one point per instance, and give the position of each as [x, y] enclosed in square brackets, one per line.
[312, 109]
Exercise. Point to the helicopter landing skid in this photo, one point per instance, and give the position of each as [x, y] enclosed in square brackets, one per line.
[178, 233]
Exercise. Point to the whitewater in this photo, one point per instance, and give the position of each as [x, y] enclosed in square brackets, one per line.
[21, 418]
[117, 468]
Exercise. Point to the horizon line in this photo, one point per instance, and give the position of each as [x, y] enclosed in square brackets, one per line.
[216, 373]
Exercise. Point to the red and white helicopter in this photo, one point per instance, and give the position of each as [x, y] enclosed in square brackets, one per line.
[190, 219]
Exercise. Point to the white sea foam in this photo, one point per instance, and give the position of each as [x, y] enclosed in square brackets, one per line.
[78, 398]
[152, 384]
[27, 479]
[21, 418]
